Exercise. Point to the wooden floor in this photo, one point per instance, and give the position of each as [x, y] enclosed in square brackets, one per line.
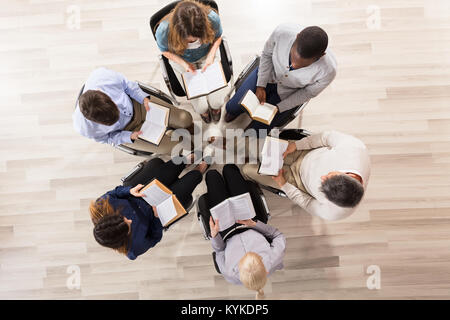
[392, 90]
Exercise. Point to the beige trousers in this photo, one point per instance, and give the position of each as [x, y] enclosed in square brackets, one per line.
[178, 118]
[215, 99]
[291, 169]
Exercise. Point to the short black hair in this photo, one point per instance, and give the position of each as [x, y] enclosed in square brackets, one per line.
[343, 190]
[98, 107]
[312, 42]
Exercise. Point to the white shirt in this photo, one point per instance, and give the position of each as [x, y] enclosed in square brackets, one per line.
[334, 151]
[296, 86]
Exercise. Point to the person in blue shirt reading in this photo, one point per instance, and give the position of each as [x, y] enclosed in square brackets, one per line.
[112, 109]
[189, 37]
[126, 223]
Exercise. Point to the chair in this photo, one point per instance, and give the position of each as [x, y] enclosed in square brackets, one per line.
[132, 178]
[156, 96]
[172, 83]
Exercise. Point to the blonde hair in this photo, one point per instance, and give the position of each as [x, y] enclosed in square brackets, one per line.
[253, 273]
[188, 18]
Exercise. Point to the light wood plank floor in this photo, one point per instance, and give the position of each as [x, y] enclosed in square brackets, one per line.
[392, 91]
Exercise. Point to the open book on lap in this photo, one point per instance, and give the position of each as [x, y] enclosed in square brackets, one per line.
[232, 209]
[155, 125]
[167, 205]
[260, 112]
[203, 83]
[272, 156]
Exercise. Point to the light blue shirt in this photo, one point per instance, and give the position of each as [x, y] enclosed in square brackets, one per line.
[119, 89]
[189, 55]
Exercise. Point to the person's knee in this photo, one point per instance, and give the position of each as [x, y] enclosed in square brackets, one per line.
[201, 105]
[185, 119]
[212, 175]
[247, 170]
[197, 176]
[230, 167]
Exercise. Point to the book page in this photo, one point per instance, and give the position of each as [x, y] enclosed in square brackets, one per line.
[155, 124]
[154, 195]
[214, 77]
[242, 207]
[223, 213]
[166, 211]
[265, 112]
[251, 102]
[153, 133]
[195, 84]
[272, 156]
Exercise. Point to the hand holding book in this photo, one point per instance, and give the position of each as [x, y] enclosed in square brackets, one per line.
[291, 148]
[136, 191]
[261, 94]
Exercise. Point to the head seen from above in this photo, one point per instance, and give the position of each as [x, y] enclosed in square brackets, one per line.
[98, 107]
[253, 273]
[111, 229]
[343, 189]
[308, 47]
[189, 26]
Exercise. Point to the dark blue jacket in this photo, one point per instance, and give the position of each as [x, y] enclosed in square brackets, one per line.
[146, 229]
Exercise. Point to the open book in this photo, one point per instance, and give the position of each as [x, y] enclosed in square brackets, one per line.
[203, 83]
[167, 205]
[272, 156]
[235, 208]
[260, 112]
[155, 124]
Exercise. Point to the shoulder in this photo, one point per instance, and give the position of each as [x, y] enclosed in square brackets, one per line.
[329, 63]
[162, 30]
[287, 29]
[344, 138]
[213, 16]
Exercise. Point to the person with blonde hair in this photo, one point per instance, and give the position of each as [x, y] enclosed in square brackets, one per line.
[252, 273]
[189, 37]
[249, 251]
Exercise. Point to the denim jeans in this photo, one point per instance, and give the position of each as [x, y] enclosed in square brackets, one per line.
[235, 108]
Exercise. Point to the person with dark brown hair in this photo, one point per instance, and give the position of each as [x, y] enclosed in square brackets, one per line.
[189, 37]
[112, 109]
[125, 222]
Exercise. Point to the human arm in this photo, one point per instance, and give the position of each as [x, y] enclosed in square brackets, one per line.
[212, 53]
[306, 93]
[266, 68]
[326, 210]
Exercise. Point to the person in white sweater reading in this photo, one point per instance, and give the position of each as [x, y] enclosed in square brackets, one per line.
[326, 174]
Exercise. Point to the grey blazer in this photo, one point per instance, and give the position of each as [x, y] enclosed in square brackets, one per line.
[297, 86]
[253, 240]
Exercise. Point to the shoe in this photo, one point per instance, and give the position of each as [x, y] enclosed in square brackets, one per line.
[229, 117]
[207, 119]
[216, 115]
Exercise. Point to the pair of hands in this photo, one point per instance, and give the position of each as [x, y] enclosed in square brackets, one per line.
[136, 192]
[214, 226]
[136, 134]
[189, 67]
[279, 179]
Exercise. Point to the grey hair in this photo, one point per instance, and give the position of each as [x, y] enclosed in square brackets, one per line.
[343, 190]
